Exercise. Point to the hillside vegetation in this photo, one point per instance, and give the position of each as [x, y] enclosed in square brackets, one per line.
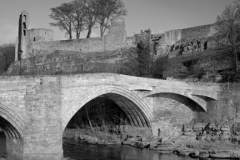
[7, 55]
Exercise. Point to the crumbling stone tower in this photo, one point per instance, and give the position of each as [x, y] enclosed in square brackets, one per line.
[116, 37]
[22, 39]
[28, 37]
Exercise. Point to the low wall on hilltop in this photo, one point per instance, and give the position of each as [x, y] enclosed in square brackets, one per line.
[173, 36]
[70, 62]
[80, 45]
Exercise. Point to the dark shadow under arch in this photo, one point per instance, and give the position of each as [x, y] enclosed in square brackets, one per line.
[139, 113]
[135, 115]
[11, 122]
[9, 130]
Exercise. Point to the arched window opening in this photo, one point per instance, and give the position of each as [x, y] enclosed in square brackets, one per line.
[24, 25]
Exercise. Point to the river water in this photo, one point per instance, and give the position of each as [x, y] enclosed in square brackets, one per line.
[85, 151]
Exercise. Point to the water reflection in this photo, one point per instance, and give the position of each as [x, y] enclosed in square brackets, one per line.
[84, 151]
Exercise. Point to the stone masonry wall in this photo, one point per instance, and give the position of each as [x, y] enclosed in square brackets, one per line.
[14, 149]
[116, 37]
[226, 109]
[81, 45]
[40, 34]
[66, 62]
[184, 41]
[170, 112]
[173, 36]
[43, 136]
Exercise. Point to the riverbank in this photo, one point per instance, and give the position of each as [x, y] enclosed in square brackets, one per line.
[198, 140]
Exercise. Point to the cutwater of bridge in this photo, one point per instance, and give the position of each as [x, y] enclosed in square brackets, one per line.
[34, 111]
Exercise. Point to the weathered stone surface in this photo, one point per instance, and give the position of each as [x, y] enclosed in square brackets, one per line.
[42, 107]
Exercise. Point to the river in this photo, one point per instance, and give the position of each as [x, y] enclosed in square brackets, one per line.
[85, 151]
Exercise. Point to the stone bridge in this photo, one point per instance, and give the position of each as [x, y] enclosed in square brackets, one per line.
[35, 110]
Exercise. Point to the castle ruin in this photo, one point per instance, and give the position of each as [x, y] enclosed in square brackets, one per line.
[38, 41]
[37, 52]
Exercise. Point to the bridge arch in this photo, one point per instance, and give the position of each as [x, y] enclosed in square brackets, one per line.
[194, 97]
[11, 123]
[135, 108]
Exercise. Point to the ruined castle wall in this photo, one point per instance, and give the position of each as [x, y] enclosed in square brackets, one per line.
[173, 36]
[196, 32]
[41, 34]
[116, 37]
[40, 41]
[70, 62]
[83, 45]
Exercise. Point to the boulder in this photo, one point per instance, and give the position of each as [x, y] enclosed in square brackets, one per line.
[184, 152]
[194, 154]
[192, 134]
[153, 145]
[225, 128]
[198, 127]
[169, 148]
[203, 154]
[220, 155]
[187, 128]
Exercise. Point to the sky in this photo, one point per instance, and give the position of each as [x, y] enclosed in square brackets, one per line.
[157, 15]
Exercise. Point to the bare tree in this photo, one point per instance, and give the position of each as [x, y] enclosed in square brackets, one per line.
[91, 15]
[63, 17]
[88, 112]
[228, 29]
[108, 10]
[78, 15]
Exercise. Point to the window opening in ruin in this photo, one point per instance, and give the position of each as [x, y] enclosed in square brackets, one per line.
[25, 17]
[24, 25]
[34, 39]
[24, 32]
[205, 45]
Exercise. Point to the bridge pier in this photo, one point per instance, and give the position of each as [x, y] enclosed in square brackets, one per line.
[38, 149]
[14, 149]
[43, 136]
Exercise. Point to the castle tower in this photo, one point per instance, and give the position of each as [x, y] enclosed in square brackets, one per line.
[22, 40]
[116, 37]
